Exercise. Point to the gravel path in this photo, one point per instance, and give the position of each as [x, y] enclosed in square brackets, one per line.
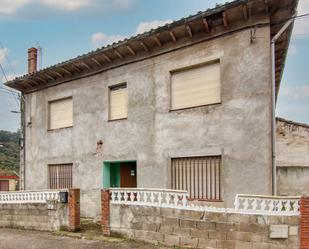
[22, 239]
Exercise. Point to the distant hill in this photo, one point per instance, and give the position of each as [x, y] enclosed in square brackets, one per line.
[9, 152]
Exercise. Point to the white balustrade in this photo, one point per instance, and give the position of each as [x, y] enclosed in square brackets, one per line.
[245, 204]
[260, 204]
[14, 197]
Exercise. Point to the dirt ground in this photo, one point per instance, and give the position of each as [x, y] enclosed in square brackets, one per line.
[23, 239]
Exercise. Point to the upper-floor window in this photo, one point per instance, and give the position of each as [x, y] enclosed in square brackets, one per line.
[118, 102]
[60, 113]
[196, 86]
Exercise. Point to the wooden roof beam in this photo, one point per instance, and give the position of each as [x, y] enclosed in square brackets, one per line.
[117, 53]
[157, 40]
[144, 46]
[130, 49]
[224, 18]
[245, 11]
[189, 30]
[206, 25]
[85, 64]
[49, 76]
[66, 71]
[96, 61]
[106, 58]
[172, 35]
[76, 67]
[41, 79]
[57, 73]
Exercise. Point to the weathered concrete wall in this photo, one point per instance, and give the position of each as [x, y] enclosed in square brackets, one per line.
[201, 229]
[292, 145]
[34, 216]
[238, 128]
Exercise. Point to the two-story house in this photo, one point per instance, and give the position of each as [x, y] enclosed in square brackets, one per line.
[188, 105]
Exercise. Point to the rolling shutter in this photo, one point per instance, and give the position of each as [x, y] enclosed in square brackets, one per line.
[200, 176]
[196, 86]
[118, 103]
[60, 176]
[61, 113]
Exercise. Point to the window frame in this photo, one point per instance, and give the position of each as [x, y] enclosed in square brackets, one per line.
[49, 176]
[49, 113]
[192, 67]
[110, 89]
[220, 192]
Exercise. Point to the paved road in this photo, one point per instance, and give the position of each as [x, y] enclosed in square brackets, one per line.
[20, 239]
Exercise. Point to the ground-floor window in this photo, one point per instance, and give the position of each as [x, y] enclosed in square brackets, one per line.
[201, 176]
[60, 176]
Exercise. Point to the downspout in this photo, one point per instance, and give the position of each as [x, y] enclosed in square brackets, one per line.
[273, 103]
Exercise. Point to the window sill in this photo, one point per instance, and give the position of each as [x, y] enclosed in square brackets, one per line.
[194, 107]
[118, 119]
[58, 129]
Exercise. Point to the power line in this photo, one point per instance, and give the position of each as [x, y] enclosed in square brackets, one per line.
[7, 58]
[3, 72]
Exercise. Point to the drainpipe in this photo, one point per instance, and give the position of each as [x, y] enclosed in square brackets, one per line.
[273, 103]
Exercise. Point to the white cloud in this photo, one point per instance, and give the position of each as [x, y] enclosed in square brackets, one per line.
[295, 92]
[30, 9]
[68, 5]
[146, 26]
[8, 7]
[3, 53]
[100, 39]
[301, 25]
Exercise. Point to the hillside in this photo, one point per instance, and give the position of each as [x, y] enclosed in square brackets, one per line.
[9, 151]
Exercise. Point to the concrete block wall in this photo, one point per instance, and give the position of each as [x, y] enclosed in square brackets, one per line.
[34, 216]
[196, 229]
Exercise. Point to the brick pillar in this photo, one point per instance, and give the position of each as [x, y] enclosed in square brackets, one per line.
[74, 209]
[32, 60]
[304, 223]
[105, 200]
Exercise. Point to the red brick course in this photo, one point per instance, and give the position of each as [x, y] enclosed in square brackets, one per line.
[74, 209]
[304, 223]
[105, 200]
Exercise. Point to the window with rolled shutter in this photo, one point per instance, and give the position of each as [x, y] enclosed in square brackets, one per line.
[200, 176]
[196, 86]
[61, 113]
[60, 176]
[118, 102]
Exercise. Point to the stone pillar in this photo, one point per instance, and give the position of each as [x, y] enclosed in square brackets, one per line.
[105, 201]
[304, 223]
[74, 209]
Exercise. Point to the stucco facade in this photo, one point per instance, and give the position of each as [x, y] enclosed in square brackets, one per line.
[292, 145]
[238, 128]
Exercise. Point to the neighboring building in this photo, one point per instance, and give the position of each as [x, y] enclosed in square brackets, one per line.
[185, 106]
[8, 182]
[292, 146]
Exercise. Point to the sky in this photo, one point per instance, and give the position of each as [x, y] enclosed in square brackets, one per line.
[68, 28]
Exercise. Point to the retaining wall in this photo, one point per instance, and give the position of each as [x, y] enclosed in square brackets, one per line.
[35, 216]
[175, 227]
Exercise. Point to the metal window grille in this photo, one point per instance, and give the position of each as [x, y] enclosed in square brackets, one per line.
[200, 176]
[60, 176]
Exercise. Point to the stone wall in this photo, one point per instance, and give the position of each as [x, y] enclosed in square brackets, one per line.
[196, 229]
[292, 157]
[35, 216]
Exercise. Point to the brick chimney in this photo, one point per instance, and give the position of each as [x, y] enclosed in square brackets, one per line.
[32, 60]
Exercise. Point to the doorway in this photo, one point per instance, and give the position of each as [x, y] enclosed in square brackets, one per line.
[119, 174]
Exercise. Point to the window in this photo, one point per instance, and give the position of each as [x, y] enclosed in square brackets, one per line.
[60, 113]
[201, 176]
[196, 86]
[118, 102]
[60, 176]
